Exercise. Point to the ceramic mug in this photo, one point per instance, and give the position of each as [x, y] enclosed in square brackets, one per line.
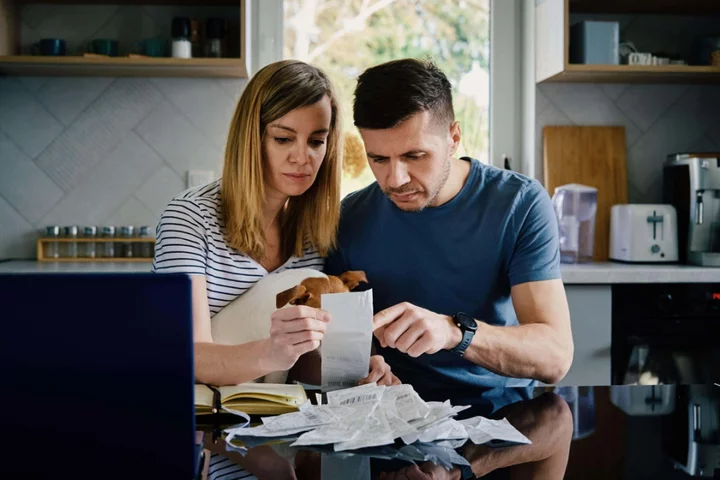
[104, 46]
[152, 47]
[50, 46]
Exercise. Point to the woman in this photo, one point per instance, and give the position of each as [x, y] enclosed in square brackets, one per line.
[276, 207]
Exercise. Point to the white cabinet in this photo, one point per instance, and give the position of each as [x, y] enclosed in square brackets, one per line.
[591, 320]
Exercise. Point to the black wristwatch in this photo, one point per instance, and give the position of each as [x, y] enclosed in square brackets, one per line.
[468, 327]
[466, 472]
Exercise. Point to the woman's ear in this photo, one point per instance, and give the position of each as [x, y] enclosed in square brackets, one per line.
[292, 296]
[352, 278]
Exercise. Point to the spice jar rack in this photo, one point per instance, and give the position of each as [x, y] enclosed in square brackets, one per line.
[138, 243]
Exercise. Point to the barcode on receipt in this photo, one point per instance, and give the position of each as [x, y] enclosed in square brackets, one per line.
[359, 399]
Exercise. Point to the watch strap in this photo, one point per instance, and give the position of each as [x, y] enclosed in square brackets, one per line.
[465, 343]
[466, 472]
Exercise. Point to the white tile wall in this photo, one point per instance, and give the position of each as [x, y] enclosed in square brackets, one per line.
[659, 120]
[92, 150]
[102, 150]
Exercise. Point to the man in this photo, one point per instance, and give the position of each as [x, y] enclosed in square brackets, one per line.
[462, 257]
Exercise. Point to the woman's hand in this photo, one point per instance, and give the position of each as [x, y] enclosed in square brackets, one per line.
[293, 331]
[380, 372]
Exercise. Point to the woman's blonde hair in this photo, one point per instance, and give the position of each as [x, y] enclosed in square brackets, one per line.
[273, 92]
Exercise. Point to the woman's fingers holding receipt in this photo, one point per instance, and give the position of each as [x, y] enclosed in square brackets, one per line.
[294, 331]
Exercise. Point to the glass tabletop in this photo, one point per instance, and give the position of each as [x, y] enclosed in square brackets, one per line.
[608, 432]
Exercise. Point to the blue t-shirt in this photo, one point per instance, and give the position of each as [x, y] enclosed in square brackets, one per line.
[499, 231]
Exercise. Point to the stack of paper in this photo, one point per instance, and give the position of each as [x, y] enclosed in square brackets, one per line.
[371, 416]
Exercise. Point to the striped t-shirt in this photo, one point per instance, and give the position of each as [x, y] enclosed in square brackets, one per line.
[190, 239]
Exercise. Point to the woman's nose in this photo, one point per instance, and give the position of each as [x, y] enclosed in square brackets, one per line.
[300, 155]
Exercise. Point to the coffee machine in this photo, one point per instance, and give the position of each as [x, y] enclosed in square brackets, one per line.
[691, 183]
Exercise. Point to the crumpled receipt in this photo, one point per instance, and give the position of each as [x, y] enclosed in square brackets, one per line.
[373, 416]
[482, 430]
[347, 339]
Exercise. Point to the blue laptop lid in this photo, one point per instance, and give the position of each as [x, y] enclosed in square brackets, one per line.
[96, 375]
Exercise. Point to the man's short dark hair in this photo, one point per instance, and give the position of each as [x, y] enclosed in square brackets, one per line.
[390, 93]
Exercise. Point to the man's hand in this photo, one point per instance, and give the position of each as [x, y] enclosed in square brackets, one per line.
[414, 330]
[380, 373]
[428, 471]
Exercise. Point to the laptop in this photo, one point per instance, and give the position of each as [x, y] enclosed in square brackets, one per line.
[96, 376]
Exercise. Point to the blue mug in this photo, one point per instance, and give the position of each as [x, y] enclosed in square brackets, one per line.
[50, 46]
[152, 47]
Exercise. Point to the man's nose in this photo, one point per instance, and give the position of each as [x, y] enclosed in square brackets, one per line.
[398, 174]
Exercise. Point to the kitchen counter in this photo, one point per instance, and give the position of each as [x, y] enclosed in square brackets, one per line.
[31, 266]
[609, 273]
[581, 274]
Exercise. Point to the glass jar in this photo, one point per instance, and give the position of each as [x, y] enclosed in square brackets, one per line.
[108, 246]
[52, 249]
[126, 248]
[215, 38]
[195, 44]
[180, 30]
[89, 247]
[71, 248]
[146, 248]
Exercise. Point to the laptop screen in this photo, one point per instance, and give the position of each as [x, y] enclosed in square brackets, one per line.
[97, 375]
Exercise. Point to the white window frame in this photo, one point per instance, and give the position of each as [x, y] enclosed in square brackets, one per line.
[266, 46]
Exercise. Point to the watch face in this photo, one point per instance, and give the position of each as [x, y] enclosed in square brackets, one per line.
[466, 321]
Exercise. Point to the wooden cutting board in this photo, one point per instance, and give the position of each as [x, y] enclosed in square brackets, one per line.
[593, 156]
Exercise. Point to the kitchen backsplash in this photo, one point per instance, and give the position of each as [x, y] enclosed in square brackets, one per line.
[658, 120]
[103, 150]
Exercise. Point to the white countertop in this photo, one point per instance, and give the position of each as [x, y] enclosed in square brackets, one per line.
[609, 272]
[31, 266]
[591, 273]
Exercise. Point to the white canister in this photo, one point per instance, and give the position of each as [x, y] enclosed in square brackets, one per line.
[181, 48]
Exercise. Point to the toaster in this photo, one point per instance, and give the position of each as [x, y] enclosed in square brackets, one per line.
[643, 233]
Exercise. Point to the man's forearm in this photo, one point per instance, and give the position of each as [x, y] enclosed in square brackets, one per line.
[525, 351]
[547, 422]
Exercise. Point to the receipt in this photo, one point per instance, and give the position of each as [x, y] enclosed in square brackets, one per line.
[347, 340]
[445, 429]
[483, 430]
[364, 394]
[438, 411]
[405, 400]
[308, 416]
[343, 431]
[264, 431]
[375, 431]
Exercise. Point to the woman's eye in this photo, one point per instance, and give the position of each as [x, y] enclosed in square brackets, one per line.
[317, 143]
[282, 140]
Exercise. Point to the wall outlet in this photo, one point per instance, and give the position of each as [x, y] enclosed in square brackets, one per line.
[195, 178]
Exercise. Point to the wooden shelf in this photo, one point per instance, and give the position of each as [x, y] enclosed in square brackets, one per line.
[123, 66]
[658, 7]
[552, 47]
[636, 74]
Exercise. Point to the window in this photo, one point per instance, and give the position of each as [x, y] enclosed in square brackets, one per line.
[344, 37]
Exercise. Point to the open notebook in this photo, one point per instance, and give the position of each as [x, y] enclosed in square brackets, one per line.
[251, 398]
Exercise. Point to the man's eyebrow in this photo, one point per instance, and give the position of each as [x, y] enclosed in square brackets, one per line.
[289, 129]
[406, 154]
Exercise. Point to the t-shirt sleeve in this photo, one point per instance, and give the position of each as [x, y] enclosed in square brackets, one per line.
[335, 263]
[181, 239]
[536, 253]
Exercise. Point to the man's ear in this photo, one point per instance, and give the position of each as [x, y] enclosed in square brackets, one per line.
[454, 137]
[351, 279]
[290, 296]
